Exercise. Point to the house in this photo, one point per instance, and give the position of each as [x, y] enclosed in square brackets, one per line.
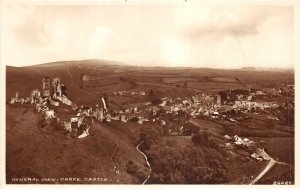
[260, 155]
[140, 121]
[124, 118]
[249, 97]
[116, 117]
[227, 137]
[259, 93]
[135, 110]
[227, 144]
[215, 114]
[54, 103]
[240, 97]
[65, 100]
[108, 117]
[256, 156]
[162, 122]
[263, 154]
[238, 140]
[232, 120]
[163, 103]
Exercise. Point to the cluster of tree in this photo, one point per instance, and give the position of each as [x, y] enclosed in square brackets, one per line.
[231, 94]
[190, 128]
[150, 135]
[206, 138]
[137, 171]
[287, 117]
[171, 165]
[175, 165]
[153, 98]
[269, 85]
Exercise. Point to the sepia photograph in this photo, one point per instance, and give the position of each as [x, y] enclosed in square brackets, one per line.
[148, 93]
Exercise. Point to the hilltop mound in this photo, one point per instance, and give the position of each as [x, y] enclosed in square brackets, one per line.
[33, 151]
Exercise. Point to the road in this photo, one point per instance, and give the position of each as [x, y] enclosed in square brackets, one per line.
[271, 163]
[137, 148]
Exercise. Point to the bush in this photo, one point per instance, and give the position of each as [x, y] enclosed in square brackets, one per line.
[44, 122]
[220, 172]
[155, 100]
[131, 167]
[202, 137]
[150, 135]
[200, 175]
[190, 128]
[157, 178]
[141, 174]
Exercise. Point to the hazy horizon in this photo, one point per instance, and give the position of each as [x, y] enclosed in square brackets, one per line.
[149, 66]
[185, 35]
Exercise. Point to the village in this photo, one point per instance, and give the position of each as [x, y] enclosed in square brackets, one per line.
[173, 114]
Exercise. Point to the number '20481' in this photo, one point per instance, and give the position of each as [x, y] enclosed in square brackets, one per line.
[282, 182]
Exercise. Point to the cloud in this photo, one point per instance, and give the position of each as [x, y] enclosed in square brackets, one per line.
[222, 30]
[144, 35]
[222, 21]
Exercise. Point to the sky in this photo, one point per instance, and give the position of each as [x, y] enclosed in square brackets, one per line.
[189, 35]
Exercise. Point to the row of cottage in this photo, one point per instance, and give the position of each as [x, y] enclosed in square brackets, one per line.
[197, 105]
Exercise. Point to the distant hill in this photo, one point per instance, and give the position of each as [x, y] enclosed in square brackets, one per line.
[267, 69]
[88, 80]
[88, 62]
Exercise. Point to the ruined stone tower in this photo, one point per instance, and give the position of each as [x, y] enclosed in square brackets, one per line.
[46, 86]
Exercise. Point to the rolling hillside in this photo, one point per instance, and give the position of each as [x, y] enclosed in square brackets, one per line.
[34, 150]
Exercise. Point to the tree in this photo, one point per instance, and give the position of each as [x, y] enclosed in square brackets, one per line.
[177, 178]
[153, 98]
[157, 178]
[200, 175]
[205, 138]
[134, 169]
[150, 135]
[185, 85]
[220, 172]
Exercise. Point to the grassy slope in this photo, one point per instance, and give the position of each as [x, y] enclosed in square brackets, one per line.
[46, 152]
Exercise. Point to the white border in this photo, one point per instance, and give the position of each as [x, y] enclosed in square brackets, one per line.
[295, 3]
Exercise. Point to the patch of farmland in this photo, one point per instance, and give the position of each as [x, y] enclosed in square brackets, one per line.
[147, 88]
[102, 82]
[154, 84]
[95, 77]
[203, 72]
[213, 85]
[121, 99]
[177, 79]
[144, 79]
[156, 73]
[119, 86]
[223, 79]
